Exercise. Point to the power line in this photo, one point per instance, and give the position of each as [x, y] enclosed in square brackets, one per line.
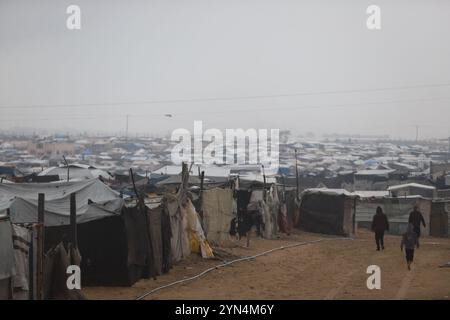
[240, 110]
[212, 99]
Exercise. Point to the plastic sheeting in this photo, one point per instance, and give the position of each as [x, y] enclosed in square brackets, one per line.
[22, 240]
[94, 201]
[6, 249]
[193, 228]
[217, 207]
[179, 241]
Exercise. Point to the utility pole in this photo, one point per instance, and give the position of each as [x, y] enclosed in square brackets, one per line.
[126, 128]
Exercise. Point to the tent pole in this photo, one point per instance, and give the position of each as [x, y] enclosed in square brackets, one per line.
[67, 165]
[264, 181]
[202, 179]
[73, 220]
[134, 184]
[31, 268]
[40, 248]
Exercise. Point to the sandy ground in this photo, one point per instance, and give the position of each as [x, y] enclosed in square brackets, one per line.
[333, 269]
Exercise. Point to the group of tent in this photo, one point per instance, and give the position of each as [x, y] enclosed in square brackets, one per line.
[117, 241]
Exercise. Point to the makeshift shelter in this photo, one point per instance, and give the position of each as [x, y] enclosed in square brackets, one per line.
[119, 244]
[94, 201]
[186, 230]
[217, 205]
[328, 211]
[257, 205]
[439, 219]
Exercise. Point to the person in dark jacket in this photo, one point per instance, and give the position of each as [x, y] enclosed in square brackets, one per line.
[410, 240]
[416, 218]
[380, 224]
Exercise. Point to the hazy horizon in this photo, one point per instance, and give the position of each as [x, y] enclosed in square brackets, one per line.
[306, 67]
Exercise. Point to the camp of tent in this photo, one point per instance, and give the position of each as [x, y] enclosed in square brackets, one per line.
[118, 239]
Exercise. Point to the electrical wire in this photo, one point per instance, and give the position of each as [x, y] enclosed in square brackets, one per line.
[234, 261]
[211, 99]
[242, 109]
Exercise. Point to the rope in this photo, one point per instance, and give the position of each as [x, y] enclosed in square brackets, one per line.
[234, 261]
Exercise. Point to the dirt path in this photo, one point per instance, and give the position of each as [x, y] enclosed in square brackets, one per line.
[333, 269]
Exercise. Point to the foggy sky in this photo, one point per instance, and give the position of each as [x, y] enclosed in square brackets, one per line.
[129, 52]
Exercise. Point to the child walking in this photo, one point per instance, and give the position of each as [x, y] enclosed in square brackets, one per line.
[410, 240]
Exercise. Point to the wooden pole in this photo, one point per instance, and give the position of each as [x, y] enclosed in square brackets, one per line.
[202, 179]
[68, 169]
[296, 174]
[264, 179]
[31, 268]
[41, 200]
[40, 248]
[134, 184]
[184, 182]
[73, 220]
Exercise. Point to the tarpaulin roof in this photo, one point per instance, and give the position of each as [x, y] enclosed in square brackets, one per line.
[76, 172]
[413, 185]
[94, 200]
[333, 192]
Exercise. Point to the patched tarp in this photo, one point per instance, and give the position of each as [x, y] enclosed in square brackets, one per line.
[217, 205]
[94, 200]
[155, 228]
[6, 249]
[179, 241]
[193, 228]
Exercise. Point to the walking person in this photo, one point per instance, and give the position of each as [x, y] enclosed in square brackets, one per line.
[416, 218]
[410, 240]
[380, 224]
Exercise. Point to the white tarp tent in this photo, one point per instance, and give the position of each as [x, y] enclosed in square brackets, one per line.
[77, 172]
[94, 200]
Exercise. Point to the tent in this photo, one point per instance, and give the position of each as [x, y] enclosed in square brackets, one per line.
[119, 244]
[94, 201]
[77, 172]
[328, 211]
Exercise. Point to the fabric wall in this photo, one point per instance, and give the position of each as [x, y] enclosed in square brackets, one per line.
[179, 241]
[322, 213]
[21, 240]
[217, 205]
[194, 231]
[6, 249]
[155, 225]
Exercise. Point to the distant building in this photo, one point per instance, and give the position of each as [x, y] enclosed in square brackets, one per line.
[412, 189]
[51, 149]
[372, 179]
